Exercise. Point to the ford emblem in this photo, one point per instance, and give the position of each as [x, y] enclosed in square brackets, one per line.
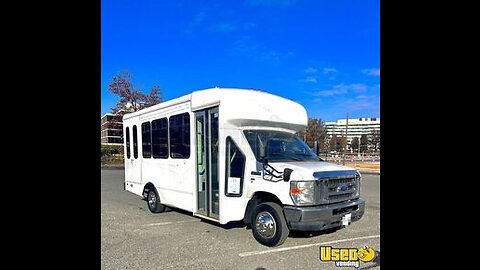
[342, 188]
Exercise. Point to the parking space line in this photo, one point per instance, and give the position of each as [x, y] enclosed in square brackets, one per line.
[169, 223]
[251, 253]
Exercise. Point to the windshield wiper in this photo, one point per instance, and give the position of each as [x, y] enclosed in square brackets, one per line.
[304, 154]
[285, 156]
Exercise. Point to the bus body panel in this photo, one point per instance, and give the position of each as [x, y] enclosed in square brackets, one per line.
[181, 181]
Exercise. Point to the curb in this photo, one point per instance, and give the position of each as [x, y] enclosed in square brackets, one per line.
[113, 167]
[374, 172]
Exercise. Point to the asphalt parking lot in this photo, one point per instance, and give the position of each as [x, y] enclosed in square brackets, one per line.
[134, 238]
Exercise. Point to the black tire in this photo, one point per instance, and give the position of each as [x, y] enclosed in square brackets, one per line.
[272, 229]
[153, 201]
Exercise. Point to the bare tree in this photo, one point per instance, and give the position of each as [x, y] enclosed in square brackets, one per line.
[131, 99]
[154, 97]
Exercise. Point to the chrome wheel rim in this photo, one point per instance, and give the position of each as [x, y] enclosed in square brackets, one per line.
[265, 225]
[152, 199]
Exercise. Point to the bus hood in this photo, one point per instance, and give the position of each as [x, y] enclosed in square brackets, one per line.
[303, 170]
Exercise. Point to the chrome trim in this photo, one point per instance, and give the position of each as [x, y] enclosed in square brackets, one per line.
[152, 199]
[337, 186]
[335, 174]
[265, 225]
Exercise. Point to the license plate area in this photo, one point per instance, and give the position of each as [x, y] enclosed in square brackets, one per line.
[347, 219]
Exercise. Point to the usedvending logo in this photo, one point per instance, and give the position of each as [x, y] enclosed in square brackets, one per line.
[347, 257]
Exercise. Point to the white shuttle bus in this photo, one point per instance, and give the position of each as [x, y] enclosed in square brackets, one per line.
[232, 155]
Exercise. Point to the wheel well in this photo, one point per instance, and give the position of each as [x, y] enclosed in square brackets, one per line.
[258, 198]
[147, 187]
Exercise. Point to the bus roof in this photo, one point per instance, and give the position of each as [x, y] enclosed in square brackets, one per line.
[241, 107]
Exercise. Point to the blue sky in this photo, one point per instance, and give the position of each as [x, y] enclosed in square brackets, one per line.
[323, 54]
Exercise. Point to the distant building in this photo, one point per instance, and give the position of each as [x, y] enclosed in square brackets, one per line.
[111, 129]
[356, 127]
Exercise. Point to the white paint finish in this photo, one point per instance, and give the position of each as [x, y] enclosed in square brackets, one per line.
[267, 251]
[132, 165]
[304, 170]
[175, 179]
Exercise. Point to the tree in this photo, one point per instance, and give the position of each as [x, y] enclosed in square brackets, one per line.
[315, 132]
[131, 99]
[355, 143]
[333, 143]
[374, 139]
[154, 97]
[363, 143]
[110, 150]
[341, 143]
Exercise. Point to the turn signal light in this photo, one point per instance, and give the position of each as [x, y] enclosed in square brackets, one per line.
[295, 191]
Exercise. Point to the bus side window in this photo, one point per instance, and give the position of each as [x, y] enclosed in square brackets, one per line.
[135, 142]
[235, 167]
[146, 140]
[127, 144]
[179, 128]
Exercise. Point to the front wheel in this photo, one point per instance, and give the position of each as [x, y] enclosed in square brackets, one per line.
[153, 201]
[269, 226]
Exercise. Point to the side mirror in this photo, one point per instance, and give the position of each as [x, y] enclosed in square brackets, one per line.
[286, 174]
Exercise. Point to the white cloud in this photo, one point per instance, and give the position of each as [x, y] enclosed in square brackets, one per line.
[331, 92]
[199, 17]
[311, 70]
[329, 70]
[249, 25]
[222, 27]
[362, 102]
[358, 87]
[341, 89]
[371, 71]
[311, 79]
[243, 45]
[246, 47]
[359, 105]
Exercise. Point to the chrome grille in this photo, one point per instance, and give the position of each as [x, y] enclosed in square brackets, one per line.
[337, 186]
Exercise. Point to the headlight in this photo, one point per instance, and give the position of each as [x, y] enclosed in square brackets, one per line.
[358, 177]
[302, 192]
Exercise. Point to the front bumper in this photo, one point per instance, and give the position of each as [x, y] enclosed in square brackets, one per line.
[322, 217]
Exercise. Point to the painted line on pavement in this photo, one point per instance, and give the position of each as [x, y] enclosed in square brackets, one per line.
[169, 223]
[261, 252]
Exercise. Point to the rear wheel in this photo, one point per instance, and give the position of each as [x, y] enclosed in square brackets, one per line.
[153, 201]
[269, 226]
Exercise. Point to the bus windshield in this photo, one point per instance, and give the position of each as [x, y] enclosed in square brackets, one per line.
[279, 146]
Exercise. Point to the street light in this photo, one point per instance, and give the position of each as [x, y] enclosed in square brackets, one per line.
[346, 142]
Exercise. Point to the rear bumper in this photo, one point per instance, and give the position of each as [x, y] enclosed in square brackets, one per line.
[317, 218]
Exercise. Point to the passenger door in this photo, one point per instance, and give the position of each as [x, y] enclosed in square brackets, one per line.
[132, 159]
[206, 134]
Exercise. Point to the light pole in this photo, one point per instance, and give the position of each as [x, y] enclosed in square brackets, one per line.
[346, 141]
